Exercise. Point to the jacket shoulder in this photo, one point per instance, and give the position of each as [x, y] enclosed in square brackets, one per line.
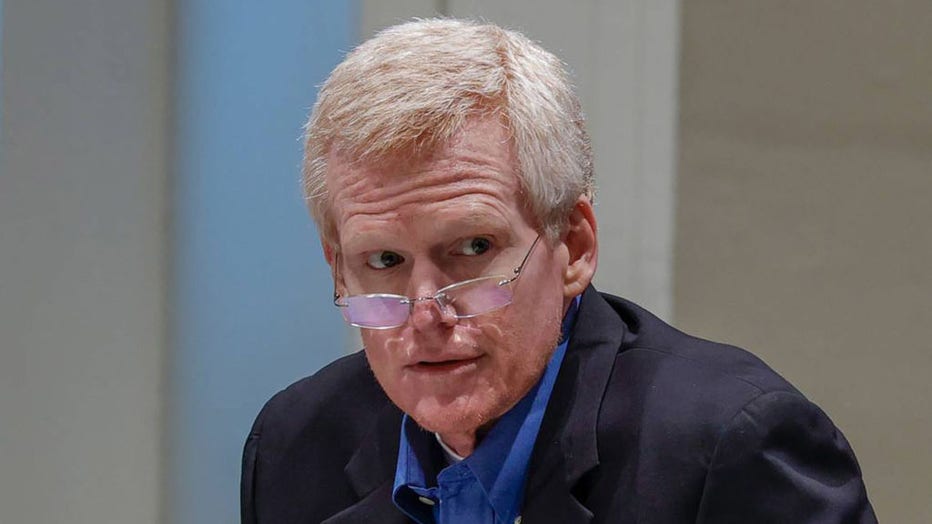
[304, 437]
[718, 432]
[341, 398]
[677, 392]
[686, 357]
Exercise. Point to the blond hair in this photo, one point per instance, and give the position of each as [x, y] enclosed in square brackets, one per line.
[412, 87]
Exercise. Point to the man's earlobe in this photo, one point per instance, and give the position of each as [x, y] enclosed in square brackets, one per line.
[581, 241]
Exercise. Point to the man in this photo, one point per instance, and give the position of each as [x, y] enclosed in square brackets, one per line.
[449, 171]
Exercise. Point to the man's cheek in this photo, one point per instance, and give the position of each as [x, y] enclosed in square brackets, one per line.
[488, 333]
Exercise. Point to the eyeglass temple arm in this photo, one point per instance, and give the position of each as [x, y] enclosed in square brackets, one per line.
[517, 270]
[336, 298]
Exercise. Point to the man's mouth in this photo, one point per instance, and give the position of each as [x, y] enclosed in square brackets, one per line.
[445, 366]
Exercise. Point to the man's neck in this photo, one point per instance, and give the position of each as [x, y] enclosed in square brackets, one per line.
[463, 444]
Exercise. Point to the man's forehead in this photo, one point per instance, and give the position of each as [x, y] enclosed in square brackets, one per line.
[482, 150]
[383, 173]
[488, 135]
[474, 174]
[383, 190]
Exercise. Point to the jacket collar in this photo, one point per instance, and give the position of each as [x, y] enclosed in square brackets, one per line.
[566, 447]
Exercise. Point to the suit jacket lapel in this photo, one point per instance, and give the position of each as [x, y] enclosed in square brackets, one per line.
[567, 446]
[371, 473]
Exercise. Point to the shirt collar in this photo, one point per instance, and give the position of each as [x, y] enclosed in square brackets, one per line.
[500, 462]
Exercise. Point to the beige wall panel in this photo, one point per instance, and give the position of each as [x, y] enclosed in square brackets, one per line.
[805, 205]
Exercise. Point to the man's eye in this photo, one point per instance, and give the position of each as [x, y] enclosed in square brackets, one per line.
[475, 246]
[384, 259]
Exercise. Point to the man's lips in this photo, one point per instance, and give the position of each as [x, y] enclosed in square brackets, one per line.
[445, 365]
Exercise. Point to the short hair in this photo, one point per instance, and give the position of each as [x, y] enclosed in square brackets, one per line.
[413, 86]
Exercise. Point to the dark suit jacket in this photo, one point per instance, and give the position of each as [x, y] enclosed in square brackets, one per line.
[645, 424]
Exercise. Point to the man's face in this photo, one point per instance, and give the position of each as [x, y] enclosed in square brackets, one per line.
[412, 230]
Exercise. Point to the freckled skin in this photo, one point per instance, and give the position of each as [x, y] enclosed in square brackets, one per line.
[468, 189]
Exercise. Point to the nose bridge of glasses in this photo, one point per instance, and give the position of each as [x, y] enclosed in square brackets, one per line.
[439, 298]
[430, 309]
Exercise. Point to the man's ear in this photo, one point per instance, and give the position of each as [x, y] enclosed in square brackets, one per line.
[329, 252]
[582, 244]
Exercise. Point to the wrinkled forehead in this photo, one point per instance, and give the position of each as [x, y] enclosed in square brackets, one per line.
[481, 158]
[482, 148]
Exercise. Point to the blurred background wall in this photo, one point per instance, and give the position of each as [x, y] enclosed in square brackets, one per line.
[804, 213]
[83, 281]
[764, 173]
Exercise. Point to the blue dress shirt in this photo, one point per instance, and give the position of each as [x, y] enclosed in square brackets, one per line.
[487, 486]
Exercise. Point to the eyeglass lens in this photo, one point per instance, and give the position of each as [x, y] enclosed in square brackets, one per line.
[375, 310]
[477, 297]
[464, 300]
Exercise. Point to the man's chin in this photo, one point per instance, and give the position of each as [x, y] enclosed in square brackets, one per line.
[451, 418]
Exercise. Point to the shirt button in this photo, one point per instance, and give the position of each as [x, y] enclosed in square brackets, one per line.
[518, 520]
[427, 501]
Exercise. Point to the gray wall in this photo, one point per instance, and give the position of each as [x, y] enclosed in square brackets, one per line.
[82, 260]
[803, 217]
